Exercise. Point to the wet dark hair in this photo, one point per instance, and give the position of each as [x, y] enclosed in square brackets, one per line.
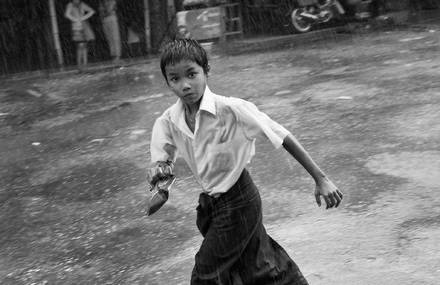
[183, 49]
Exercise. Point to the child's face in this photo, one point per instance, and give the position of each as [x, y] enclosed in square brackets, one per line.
[187, 80]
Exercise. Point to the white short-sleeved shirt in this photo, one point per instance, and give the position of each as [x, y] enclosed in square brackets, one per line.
[223, 142]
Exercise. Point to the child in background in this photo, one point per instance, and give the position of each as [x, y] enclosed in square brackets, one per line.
[216, 137]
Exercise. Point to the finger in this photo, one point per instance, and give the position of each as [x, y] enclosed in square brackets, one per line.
[327, 201]
[168, 171]
[165, 170]
[318, 200]
[159, 172]
[156, 173]
[337, 198]
[340, 194]
[157, 176]
[332, 200]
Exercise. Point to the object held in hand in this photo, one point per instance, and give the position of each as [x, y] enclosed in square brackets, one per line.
[159, 194]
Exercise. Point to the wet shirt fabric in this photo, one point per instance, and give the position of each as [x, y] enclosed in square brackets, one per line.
[222, 144]
[236, 248]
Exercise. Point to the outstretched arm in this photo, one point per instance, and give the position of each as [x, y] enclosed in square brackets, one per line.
[324, 187]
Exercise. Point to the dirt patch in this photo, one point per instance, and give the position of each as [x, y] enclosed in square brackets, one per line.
[419, 167]
[73, 208]
[93, 181]
[421, 122]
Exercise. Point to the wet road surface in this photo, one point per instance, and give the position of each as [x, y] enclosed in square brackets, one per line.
[75, 151]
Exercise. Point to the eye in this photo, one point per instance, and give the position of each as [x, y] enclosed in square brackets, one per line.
[192, 74]
[173, 79]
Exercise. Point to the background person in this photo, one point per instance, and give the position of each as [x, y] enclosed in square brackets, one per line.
[133, 41]
[78, 12]
[110, 25]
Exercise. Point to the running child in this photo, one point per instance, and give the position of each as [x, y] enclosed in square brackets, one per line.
[216, 135]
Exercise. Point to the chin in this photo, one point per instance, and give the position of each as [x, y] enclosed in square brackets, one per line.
[193, 99]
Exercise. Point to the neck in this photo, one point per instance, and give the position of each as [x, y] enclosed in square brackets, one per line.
[191, 109]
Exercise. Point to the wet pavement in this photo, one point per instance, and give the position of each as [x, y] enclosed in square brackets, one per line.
[367, 107]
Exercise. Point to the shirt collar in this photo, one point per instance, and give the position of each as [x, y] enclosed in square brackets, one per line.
[207, 104]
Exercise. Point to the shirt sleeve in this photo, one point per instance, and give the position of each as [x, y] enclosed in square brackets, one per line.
[256, 122]
[162, 147]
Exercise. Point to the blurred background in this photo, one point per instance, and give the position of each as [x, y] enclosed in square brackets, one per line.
[35, 35]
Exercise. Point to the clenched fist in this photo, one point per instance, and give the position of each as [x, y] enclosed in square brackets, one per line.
[161, 170]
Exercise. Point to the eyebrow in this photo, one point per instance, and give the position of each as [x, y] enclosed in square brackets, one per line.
[189, 69]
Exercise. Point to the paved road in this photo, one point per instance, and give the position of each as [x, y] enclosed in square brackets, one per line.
[75, 149]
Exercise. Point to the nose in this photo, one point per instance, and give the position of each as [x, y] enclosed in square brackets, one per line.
[185, 86]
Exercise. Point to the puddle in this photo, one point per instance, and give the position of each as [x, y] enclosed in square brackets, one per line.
[421, 168]
[404, 40]
[58, 121]
[421, 122]
[336, 89]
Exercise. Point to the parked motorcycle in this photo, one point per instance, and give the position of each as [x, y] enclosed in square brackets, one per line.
[309, 13]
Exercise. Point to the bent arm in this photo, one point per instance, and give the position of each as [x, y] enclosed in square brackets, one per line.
[68, 14]
[89, 12]
[294, 147]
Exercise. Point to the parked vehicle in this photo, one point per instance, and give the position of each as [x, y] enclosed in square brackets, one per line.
[309, 13]
[200, 4]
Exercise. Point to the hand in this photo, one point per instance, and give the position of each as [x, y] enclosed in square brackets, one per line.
[161, 170]
[331, 194]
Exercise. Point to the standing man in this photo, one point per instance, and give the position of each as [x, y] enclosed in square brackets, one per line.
[107, 11]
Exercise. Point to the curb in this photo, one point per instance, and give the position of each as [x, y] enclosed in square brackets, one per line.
[237, 47]
[272, 43]
[233, 47]
[72, 70]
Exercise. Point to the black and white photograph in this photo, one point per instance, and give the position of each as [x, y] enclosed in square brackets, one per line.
[220, 142]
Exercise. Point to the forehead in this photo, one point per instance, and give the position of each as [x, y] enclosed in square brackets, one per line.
[182, 66]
